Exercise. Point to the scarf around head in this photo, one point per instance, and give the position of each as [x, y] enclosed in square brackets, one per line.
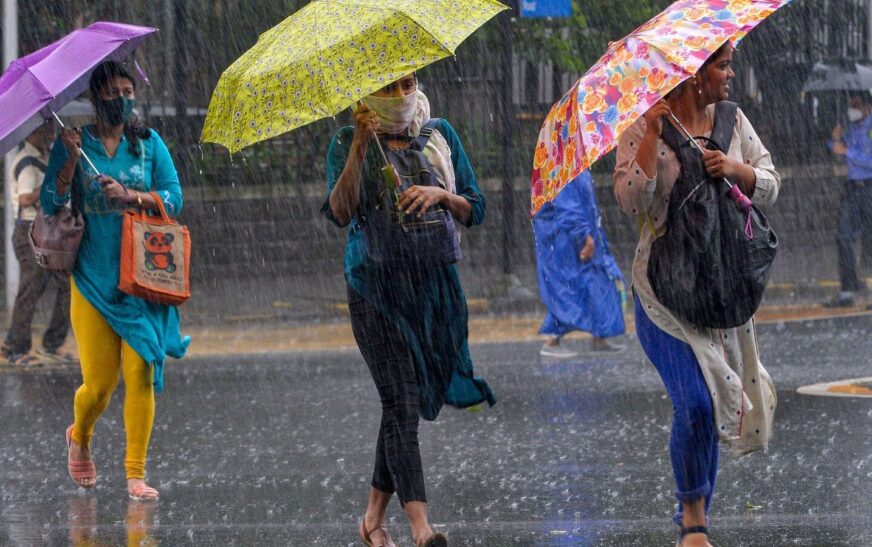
[437, 151]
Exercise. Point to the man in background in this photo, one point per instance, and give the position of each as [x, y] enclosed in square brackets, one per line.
[28, 170]
[854, 143]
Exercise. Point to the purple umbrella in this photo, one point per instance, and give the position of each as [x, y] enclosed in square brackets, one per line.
[39, 84]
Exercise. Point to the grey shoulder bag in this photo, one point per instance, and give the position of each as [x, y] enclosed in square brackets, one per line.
[56, 238]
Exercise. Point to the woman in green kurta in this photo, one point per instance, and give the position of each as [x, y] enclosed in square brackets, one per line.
[410, 325]
[116, 333]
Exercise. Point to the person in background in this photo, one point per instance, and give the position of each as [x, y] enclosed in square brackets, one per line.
[28, 169]
[854, 143]
[117, 334]
[579, 280]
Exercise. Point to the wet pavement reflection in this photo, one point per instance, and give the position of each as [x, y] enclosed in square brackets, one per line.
[277, 450]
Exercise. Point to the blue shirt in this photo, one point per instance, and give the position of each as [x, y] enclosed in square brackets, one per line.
[857, 138]
[428, 307]
[152, 330]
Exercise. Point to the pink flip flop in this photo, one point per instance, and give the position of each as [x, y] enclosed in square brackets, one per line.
[80, 471]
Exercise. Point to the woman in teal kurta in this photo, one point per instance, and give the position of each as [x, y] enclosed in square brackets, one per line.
[115, 332]
[410, 325]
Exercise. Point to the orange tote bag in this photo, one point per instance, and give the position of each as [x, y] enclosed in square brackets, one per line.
[155, 256]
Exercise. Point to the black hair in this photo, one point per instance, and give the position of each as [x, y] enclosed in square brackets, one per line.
[134, 128]
[862, 96]
[711, 59]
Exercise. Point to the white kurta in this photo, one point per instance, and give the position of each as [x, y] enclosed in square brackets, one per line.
[742, 391]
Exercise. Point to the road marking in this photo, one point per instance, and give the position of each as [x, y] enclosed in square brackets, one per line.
[858, 387]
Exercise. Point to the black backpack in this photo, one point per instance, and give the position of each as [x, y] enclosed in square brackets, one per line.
[712, 264]
[390, 235]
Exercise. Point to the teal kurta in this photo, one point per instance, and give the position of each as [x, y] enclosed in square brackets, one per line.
[152, 330]
[428, 306]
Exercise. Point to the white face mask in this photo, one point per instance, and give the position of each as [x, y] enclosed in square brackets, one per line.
[395, 114]
[855, 114]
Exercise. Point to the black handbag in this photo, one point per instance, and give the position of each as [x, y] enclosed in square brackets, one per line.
[393, 237]
[712, 264]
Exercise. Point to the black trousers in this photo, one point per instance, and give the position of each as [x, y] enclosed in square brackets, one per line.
[33, 282]
[398, 465]
[855, 218]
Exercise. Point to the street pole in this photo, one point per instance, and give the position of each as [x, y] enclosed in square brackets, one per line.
[506, 138]
[869, 29]
[10, 53]
[510, 285]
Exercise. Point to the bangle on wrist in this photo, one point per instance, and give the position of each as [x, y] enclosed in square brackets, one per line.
[138, 199]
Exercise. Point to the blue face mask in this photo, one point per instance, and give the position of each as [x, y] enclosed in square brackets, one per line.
[115, 111]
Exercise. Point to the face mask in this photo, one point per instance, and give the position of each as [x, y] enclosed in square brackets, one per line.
[855, 114]
[395, 114]
[116, 111]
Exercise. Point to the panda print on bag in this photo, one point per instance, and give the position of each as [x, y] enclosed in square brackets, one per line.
[158, 251]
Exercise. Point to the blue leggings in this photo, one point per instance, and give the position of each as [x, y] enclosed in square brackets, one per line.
[693, 445]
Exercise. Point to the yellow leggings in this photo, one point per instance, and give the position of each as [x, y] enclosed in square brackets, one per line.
[104, 356]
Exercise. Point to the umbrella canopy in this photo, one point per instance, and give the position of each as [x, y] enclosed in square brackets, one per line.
[635, 73]
[38, 84]
[330, 54]
[839, 77]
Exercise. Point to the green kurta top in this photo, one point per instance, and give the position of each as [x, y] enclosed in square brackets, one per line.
[152, 330]
[427, 306]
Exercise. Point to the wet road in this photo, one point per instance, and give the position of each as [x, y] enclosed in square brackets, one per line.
[277, 450]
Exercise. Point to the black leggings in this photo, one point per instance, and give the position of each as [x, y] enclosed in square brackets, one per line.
[398, 465]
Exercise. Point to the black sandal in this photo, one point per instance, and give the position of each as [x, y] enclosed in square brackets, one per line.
[692, 530]
[436, 540]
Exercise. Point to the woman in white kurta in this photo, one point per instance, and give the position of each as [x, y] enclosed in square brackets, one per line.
[717, 384]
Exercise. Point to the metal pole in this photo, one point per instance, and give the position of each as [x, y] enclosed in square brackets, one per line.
[10, 53]
[506, 138]
[869, 29]
[512, 286]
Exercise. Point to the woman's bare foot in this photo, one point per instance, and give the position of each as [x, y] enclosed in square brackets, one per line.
[139, 491]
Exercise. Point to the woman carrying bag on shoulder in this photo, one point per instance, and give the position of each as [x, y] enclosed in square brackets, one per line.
[718, 387]
[117, 334]
[408, 310]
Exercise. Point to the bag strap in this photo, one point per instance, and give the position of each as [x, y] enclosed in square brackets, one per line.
[725, 123]
[28, 161]
[420, 142]
[24, 163]
[161, 207]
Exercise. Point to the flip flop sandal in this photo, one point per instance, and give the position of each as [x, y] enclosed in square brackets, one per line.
[144, 492]
[364, 535]
[61, 358]
[25, 360]
[80, 471]
[436, 540]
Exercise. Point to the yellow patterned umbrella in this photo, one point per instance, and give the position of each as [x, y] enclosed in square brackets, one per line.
[330, 54]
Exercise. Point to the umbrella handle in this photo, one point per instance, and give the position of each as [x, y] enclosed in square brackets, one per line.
[694, 143]
[82, 152]
[377, 142]
[379, 146]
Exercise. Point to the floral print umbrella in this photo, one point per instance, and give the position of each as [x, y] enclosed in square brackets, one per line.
[635, 73]
[330, 54]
